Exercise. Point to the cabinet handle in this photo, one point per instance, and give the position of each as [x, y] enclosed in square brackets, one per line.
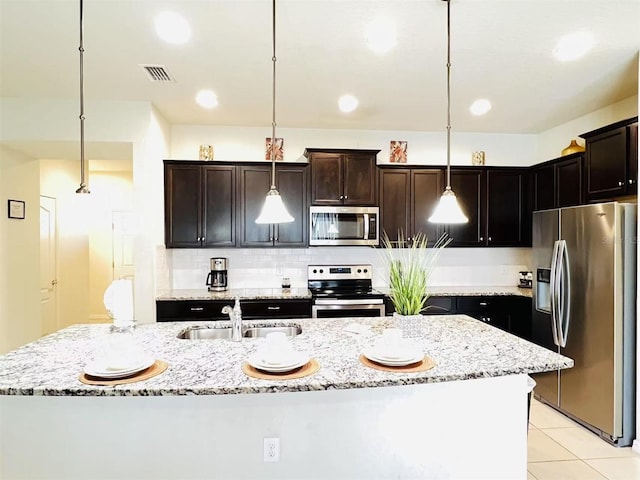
[273, 308]
[482, 239]
[484, 304]
[341, 197]
[489, 238]
[619, 184]
[197, 239]
[630, 181]
[202, 239]
[346, 196]
[271, 239]
[196, 309]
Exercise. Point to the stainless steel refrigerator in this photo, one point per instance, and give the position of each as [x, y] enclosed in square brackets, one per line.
[584, 307]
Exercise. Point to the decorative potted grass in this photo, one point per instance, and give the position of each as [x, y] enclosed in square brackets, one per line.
[410, 265]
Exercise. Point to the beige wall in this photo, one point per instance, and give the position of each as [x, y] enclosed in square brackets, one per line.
[19, 252]
[552, 141]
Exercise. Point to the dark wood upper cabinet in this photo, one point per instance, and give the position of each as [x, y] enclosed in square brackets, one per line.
[610, 153]
[199, 205]
[215, 205]
[292, 184]
[182, 205]
[468, 185]
[506, 208]
[568, 177]
[544, 187]
[395, 202]
[343, 176]
[408, 197]
[426, 188]
[253, 185]
[254, 182]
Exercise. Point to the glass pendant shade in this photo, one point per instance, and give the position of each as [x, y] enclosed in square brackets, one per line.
[448, 210]
[273, 210]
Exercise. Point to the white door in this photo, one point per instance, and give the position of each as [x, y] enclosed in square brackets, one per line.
[123, 228]
[48, 270]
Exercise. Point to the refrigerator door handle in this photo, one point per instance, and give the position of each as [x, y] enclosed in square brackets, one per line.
[565, 297]
[553, 287]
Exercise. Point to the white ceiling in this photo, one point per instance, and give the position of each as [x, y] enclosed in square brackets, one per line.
[501, 50]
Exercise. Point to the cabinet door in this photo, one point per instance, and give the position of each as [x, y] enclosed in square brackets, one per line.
[569, 182]
[544, 188]
[468, 187]
[253, 187]
[219, 226]
[359, 180]
[292, 185]
[395, 203]
[505, 208]
[607, 164]
[182, 205]
[426, 189]
[632, 167]
[326, 179]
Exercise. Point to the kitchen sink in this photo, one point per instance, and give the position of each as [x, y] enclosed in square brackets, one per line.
[208, 332]
[289, 330]
[205, 333]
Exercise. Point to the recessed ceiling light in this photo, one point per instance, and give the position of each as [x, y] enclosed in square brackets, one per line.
[348, 103]
[207, 99]
[573, 46]
[480, 106]
[172, 28]
[381, 35]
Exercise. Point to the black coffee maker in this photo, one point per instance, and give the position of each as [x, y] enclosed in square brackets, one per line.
[217, 278]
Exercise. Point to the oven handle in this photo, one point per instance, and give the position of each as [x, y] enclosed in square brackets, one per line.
[320, 308]
[342, 303]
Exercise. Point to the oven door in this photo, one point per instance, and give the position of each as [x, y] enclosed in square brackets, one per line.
[334, 308]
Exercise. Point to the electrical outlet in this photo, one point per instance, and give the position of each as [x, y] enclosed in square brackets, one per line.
[271, 449]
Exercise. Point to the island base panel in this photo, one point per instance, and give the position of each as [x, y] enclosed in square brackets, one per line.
[465, 429]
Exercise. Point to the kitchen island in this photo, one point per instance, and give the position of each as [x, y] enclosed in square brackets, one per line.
[204, 418]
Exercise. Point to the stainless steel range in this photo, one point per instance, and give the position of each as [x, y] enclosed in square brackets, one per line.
[343, 291]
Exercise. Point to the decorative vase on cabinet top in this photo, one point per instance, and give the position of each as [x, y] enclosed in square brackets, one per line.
[572, 148]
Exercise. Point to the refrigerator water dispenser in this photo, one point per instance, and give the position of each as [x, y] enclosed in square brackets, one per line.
[543, 291]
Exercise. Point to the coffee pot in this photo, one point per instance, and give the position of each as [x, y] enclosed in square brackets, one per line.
[217, 278]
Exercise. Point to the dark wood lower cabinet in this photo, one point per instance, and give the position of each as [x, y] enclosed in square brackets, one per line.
[511, 313]
[211, 310]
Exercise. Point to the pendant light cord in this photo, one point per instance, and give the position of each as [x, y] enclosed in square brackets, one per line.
[273, 103]
[448, 93]
[83, 184]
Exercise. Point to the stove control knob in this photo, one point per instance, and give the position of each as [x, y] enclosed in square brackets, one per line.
[315, 271]
[365, 270]
[359, 271]
[321, 271]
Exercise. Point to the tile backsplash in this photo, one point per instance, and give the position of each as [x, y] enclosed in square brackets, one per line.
[265, 267]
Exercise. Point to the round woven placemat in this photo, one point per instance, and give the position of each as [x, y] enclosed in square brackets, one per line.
[309, 368]
[156, 369]
[423, 365]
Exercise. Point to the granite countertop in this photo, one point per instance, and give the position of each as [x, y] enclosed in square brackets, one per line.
[303, 293]
[242, 293]
[462, 348]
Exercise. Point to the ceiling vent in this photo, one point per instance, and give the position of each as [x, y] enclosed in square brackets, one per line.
[158, 73]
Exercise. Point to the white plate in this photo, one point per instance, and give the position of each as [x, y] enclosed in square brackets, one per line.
[298, 359]
[412, 356]
[99, 368]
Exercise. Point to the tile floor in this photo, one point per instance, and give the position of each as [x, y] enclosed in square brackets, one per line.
[560, 449]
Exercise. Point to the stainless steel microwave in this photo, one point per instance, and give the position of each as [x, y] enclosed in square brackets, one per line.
[344, 226]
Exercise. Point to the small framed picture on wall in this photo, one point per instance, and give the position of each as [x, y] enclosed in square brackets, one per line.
[398, 151]
[16, 209]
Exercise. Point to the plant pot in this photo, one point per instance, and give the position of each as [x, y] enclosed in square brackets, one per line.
[411, 325]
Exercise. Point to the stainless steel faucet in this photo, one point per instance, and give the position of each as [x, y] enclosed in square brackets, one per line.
[235, 315]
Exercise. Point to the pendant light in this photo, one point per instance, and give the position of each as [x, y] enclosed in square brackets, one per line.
[83, 184]
[273, 210]
[448, 210]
